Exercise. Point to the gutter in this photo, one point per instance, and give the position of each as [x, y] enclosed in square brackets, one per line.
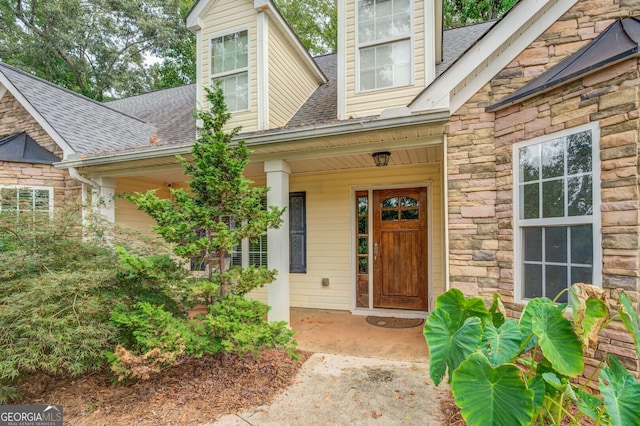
[73, 172]
[269, 137]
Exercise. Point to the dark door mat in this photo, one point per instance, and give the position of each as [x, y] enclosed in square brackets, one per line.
[391, 322]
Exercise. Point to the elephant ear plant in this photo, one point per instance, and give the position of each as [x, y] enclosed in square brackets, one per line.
[508, 372]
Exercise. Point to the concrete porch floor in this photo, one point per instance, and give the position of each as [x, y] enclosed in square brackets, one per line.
[340, 332]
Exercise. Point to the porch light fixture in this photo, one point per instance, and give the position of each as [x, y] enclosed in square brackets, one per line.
[381, 158]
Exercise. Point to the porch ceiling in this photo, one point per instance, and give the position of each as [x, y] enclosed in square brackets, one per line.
[167, 170]
[408, 146]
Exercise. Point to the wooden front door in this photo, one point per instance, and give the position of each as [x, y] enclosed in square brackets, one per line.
[400, 249]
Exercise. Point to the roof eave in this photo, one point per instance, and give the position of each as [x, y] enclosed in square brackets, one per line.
[265, 138]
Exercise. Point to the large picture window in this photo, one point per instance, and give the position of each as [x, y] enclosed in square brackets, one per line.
[557, 213]
[230, 66]
[384, 41]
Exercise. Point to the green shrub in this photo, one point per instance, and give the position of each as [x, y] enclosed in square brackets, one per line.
[57, 291]
[504, 372]
[239, 325]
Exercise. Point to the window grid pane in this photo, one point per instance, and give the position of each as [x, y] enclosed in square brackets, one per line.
[383, 19]
[555, 182]
[386, 65]
[229, 61]
[568, 259]
[25, 200]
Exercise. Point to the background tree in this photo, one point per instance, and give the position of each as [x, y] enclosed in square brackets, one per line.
[220, 209]
[458, 13]
[97, 47]
[315, 23]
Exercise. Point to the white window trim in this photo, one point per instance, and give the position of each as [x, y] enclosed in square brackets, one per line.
[382, 42]
[37, 188]
[518, 250]
[213, 76]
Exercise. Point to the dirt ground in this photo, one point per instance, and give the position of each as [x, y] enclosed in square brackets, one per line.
[269, 390]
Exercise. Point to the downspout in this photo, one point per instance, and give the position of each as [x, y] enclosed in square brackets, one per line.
[75, 174]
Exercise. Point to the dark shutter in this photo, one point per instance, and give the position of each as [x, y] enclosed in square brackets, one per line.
[298, 232]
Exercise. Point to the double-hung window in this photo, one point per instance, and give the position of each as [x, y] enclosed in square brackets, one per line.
[251, 252]
[384, 43]
[557, 213]
[230, 67]
[26, 200]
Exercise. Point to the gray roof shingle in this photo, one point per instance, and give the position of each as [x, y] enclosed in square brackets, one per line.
[92, 128]
[456, 41]
[87, 126]
[322, 105]
[171, 110]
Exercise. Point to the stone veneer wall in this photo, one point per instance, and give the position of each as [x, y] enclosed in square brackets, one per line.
[15, 119]
[479, 174]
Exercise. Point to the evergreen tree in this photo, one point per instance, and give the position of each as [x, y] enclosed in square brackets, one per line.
[220, 208]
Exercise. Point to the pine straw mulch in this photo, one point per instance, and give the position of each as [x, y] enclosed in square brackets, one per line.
[192, 392]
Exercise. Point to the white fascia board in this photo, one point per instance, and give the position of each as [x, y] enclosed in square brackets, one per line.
[270, 8]
[510, 36]
[197, 12]
[288, 135]
[430, 41]
[342, 64]
[263, 70]
[59, 140]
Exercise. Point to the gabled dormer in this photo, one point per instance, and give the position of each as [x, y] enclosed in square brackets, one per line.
[265, 72]
[387, 53]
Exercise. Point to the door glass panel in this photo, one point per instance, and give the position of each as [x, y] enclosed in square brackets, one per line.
[362, 245]
[409, 202]
[390, 202]
[389, 215]
[409, 214]
[362, 225]
[363, 265]
[362, 205]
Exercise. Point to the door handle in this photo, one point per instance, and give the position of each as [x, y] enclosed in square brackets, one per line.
[375, 255]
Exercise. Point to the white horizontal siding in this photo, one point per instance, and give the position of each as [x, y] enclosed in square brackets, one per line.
[290, 80]
[225, 17]
[127, 214]
[329, 230]
[373, 102]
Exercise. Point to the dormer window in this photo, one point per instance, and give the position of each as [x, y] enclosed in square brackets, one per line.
[230, 66]
[384, 43]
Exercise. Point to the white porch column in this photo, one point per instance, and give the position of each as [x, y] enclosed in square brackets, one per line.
[104, 199]
[278, 240]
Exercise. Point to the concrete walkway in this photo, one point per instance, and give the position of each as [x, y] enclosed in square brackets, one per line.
[360, 374]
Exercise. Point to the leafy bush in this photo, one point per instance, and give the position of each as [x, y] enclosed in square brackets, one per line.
[54, 310]
[57, 291]
[504, 372]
